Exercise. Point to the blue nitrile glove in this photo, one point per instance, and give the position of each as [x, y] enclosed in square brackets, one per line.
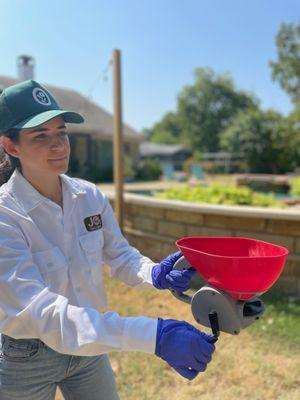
[183, 347]
[164, 277]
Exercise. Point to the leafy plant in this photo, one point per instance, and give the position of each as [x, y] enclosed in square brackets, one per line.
[221, 194]
[295, 187]
[149, 170]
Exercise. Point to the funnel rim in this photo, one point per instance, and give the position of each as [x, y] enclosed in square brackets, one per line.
[284, 249]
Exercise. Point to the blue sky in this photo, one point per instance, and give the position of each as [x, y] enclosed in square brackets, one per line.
[162, 42]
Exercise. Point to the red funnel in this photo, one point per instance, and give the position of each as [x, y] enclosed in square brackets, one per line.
[243, 267]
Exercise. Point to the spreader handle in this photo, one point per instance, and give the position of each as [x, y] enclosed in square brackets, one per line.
[182, 296]
[214, 324]
[182, 264]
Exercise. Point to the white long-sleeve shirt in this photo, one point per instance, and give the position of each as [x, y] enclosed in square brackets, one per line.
[51, 285]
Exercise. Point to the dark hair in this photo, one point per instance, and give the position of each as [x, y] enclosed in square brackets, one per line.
[9, 163]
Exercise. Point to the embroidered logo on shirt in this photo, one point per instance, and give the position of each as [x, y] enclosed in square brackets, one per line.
[93, 222]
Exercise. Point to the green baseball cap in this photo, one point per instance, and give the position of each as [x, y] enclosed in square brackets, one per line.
[28, 104]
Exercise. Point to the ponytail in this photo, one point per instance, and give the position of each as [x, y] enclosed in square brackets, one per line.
[8, 163]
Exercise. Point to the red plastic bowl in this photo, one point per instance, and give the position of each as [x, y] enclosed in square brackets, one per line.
[243, 267]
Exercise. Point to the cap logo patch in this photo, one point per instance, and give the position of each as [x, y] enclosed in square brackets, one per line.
[93, 222]
[41, 97]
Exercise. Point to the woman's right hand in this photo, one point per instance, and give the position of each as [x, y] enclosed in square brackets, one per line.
[183, 347]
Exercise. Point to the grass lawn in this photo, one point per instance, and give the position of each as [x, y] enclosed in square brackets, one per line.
[261, 363]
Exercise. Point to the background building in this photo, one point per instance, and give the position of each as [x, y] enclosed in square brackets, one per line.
[92, 141]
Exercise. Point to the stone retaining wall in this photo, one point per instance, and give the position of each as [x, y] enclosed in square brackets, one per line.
[153, 225]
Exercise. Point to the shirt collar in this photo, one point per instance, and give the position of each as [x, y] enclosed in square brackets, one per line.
[29, 197]
[72, 186]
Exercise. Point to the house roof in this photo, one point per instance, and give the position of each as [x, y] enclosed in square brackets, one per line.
[98, 122]
[148, 149]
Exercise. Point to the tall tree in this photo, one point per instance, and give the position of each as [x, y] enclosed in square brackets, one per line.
[292, 126]
[207, 107]
[168, 130]
[264, 140]
[286, 70]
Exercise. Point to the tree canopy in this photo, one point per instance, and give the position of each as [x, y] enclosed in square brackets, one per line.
[204, 109]
[263, 139]
[168, 130]
[286, 70]
[213, 115]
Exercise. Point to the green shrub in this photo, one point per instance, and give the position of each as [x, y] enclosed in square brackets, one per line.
[129, 171]
[295, 187]
[150, 171]
[221, 194]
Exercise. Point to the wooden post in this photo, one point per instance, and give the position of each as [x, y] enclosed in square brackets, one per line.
[118, 137]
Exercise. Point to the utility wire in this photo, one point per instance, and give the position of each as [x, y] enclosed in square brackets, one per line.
[103, 76]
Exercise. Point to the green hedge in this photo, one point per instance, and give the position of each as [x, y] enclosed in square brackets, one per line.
[221, 194]
[295, 187]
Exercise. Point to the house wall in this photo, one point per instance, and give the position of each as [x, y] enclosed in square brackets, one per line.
[132, 150]
[177, 159]
[153, 225]
[104, 153]
[87, 151]
[80, 154]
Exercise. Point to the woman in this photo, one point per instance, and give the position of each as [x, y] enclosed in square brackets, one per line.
[55, 233]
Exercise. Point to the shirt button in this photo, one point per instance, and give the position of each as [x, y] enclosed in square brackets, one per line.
[78, 289]
[49, 264]
[70, 258]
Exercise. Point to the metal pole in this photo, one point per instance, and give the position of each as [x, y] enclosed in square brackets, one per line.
[118, 137]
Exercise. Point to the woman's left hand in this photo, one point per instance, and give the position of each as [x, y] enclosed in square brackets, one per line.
[164, 277]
